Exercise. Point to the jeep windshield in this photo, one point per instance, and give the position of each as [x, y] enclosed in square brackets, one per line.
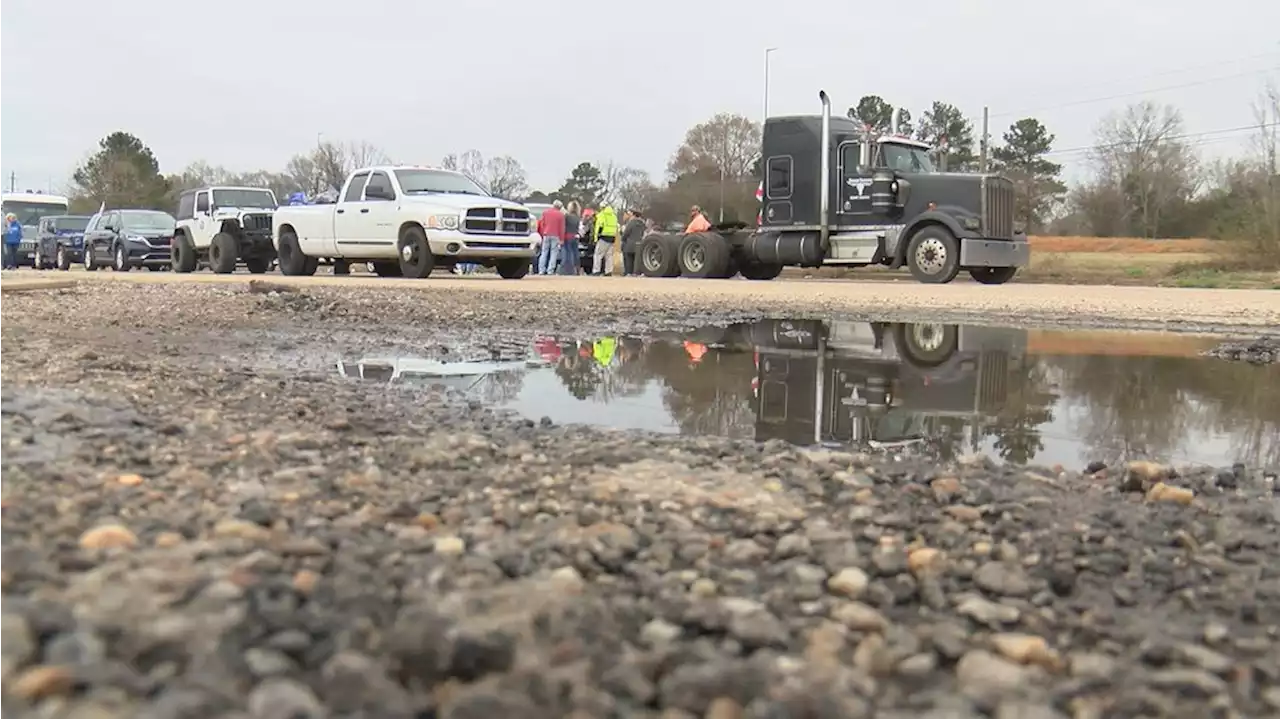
[69, 224]
[149, 222]
[906, 158]
[425, 181]
[256, 199]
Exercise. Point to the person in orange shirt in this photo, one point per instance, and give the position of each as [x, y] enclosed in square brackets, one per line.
[698, 222]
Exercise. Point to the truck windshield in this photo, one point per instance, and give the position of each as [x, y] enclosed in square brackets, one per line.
[143, 221]
[258, 199]
[29, 213]
[906, 158]
[420, 181]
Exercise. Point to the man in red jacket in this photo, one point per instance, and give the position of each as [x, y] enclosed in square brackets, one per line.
[551, 227]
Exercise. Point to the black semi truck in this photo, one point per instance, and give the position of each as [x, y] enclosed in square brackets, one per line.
[833, 194]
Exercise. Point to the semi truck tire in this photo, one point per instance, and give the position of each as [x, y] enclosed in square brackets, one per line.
[993, 275]
[657, 257]
[704, 255]
[926, 344]
[759, 271]
[933, 255]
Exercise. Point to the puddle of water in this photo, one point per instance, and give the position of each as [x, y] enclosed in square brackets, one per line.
[1020, 396]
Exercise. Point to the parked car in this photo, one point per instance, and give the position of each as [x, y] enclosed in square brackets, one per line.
[60, 241]
[125, 239]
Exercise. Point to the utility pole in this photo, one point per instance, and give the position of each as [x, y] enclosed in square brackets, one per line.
[724, 151]
[986, 137]
[767, 50]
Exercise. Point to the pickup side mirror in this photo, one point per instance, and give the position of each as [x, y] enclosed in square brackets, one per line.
[378, 192]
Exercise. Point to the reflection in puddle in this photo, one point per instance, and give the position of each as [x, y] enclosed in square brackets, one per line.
[1017, 395]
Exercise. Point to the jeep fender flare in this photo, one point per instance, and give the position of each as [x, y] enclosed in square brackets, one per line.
[229, 225]
[932, 217]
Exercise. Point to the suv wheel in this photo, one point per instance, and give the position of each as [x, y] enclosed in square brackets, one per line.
[120, 262]
[62, 261]
[89, 264]
[184, 254]
[37, 262]
[222, 253]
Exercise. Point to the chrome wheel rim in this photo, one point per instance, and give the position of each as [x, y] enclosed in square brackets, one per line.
[406, 252]
[695, 257]
[928, 337]
[931, 256]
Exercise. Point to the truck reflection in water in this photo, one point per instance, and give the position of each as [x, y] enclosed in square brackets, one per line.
[496, 379]
[878, 384]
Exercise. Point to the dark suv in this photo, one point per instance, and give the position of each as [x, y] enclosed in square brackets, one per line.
[59, 241]
[126, 239]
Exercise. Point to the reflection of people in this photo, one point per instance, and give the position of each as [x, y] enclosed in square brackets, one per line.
[603, 350]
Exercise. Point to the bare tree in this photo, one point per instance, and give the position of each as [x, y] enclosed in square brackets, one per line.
[505, 178]
[364, 154]
[726, 143]
[1140, 154]
[625, 187]
[470, 163]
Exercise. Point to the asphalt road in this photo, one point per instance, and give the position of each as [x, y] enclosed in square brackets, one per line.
[1236, 311]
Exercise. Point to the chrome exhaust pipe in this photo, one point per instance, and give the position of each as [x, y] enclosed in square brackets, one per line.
[824, 180]
[895, 119]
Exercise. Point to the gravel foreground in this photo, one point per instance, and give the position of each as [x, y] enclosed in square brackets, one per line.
[201, 521]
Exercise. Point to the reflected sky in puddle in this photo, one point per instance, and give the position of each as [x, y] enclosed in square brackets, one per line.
[1047, 397]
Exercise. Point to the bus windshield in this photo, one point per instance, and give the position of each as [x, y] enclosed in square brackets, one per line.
[29, 213]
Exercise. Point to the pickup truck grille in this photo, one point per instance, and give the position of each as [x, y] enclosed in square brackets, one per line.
[256, 223]
[997, 208]
[496, 221]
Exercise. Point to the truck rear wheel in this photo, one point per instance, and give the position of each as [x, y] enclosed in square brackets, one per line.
[993, 275]
[184, 254]
[222, 253]
[416, 260]
[292, 261]
[658, 257]
[512, 269]
[933, 255]
[760, 271]
[703, 255]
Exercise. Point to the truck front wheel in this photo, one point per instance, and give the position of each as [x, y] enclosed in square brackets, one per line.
[759, 271]
[993, 275]
[222, 253]
[184, 254]
[512, 269]
[416, 260]
[933, 255]
[704, 254]
[386, 269]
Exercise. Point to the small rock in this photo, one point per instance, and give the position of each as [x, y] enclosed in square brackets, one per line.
[1215, 632]
[860, 617]
[658, 632]
[240, 529]
[850, 582]
[18, 642]
[1205, 658]
[568, 577]
[983, 674]
[1002, 579]
[792, 545]
[964, 513]
[918, 665]
[109, 536]
[277, 698]
[1026, 649]
[305, 581]
[925, 560]
[1161, 492]
[41, 682]
[987, 612]
[168, 539]
[724, 708]
[703, 588]
[1140, 474]
[945, 489]
[450, 545]
[129, 480]
[267, 662]
[1192, 683]
[1091, 665]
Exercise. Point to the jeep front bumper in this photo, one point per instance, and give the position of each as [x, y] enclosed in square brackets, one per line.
[982, 252]
[451, 243]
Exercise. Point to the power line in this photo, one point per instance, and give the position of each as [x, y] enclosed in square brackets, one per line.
[1028, 113]
[1221, 133]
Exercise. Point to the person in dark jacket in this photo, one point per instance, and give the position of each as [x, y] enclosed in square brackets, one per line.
[570, 259]
[632, 232]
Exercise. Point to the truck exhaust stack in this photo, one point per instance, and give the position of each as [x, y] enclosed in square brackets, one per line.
[895, 119]
[824, 179]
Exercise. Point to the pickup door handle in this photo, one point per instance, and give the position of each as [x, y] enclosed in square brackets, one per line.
[364, 210]
[340, 211]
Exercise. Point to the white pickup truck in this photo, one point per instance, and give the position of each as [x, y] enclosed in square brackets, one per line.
[406, 221]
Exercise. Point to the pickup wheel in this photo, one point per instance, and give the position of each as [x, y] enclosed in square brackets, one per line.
[512, 269]
[993, 275]
[222, 253]
[933, 255]
[184, 254]
[416, 260]
[292, 261]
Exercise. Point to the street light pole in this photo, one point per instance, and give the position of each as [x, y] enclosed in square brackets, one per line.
[767, 50]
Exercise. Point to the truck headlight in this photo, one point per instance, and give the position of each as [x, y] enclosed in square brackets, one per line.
[972, 223]
[442, 222]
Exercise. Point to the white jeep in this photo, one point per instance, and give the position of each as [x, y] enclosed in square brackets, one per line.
[223, 226]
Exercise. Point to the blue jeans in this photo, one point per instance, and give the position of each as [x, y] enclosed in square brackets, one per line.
[571, 257]
[10, 256]
[549, 255]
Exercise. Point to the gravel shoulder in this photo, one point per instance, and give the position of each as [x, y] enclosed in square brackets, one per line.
[198, 523]
[1248, 312]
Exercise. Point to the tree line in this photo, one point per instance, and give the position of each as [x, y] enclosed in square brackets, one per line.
[1146, 175]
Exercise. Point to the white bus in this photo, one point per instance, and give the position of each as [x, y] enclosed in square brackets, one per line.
[29, 207]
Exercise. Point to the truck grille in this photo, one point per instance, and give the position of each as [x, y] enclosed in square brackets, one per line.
[997, 208]
[496, 221]
[256, 223]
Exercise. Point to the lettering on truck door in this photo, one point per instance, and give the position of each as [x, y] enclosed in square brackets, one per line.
[347, 217]
[377, 218]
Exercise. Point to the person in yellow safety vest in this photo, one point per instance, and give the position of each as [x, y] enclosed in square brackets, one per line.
[604, 349]
[698, 222]
[606, 228]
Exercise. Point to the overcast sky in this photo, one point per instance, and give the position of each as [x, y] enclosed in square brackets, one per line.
[246, 84]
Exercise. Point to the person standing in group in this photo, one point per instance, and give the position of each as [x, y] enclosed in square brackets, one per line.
[551, 227]
[632, 232]
[570, 259]
[587, 236]
[698, 222]
[606, 232]
[12, 239]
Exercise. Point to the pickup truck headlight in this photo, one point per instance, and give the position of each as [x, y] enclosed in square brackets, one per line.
[442, 222]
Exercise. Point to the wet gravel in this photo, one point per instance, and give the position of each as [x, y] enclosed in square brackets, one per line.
[193, 530]
[1264, 350]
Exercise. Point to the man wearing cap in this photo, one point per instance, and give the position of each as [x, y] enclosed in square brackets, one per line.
[632, 232]
[12, 238]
